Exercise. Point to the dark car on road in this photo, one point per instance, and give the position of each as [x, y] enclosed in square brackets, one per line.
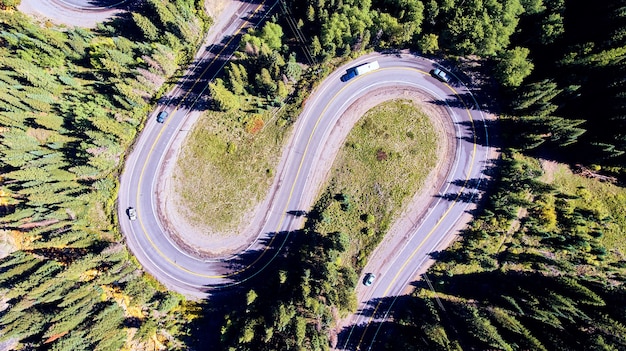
[161, 116]
[351, 73]
[441, 75]
[369, 279]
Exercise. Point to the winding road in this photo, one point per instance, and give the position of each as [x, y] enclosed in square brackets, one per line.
[300, 175]
[302, 170]
[304, 161]
[446, 211]
[82, 13]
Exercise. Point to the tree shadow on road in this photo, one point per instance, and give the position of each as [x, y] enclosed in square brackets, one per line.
[372, 331]
[255, 271]
[473, 190]
[110, 4]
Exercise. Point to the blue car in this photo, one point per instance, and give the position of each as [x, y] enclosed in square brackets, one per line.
[161, 116]
[351, 73]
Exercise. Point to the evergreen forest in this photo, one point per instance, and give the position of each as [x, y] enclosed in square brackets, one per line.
[540, 267]
[72, 103]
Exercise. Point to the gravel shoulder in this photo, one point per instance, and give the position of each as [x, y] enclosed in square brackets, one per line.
[216, 244]
[171, 210]
[221, 244]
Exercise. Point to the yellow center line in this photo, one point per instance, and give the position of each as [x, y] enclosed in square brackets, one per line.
[293, 186]
[407, 261]
[145, 232]
[282, 218]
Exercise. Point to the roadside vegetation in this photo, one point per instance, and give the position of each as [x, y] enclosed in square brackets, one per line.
[531, 269]
[604, 198]
[541, 267]
[71, 105]
[384, 162]
[226, 167]
[228, 162]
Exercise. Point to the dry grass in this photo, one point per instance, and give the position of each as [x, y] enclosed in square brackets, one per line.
[385, 160]
[226, 168]
[606, 199]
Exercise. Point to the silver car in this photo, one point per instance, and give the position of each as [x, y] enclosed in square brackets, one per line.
[161, 116]
[132, 213]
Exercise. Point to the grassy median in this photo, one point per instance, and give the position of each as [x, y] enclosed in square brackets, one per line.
[384, 162]
[226, 167]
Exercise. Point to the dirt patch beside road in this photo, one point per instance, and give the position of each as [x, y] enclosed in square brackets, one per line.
[223, 244]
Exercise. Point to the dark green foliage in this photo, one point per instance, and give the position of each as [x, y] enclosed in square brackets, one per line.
[577, 53]
[477, 27]
[259, 70]
[340, 28]
[72, 101]
[223, 98]
[578, 75]
[264, 83]
[530, 131]
[237, 78]
[513, 67]
[149, 30]
[537, 99]
[293, 308]
[533, 296]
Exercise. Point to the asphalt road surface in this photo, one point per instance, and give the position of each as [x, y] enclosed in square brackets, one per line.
[93, 5]
[303, 159]
[81, 13]
[446, 211]
[193, 276]
[146, 236]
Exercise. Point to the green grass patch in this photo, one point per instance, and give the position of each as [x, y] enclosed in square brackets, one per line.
[385, 160]
[605, 199]
[227, 166]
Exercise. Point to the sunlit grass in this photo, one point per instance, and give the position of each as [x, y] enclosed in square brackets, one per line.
[385, 160]
[226, 167]
[606, 199]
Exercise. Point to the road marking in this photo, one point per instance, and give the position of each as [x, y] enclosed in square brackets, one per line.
[283, 215]
[414, 252]
[170, 261]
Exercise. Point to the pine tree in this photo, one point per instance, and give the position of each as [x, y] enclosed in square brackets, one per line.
[513, 67]
[147, 28]
[224, 99]
[237, 78]
[538, 99]
[265, 84]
